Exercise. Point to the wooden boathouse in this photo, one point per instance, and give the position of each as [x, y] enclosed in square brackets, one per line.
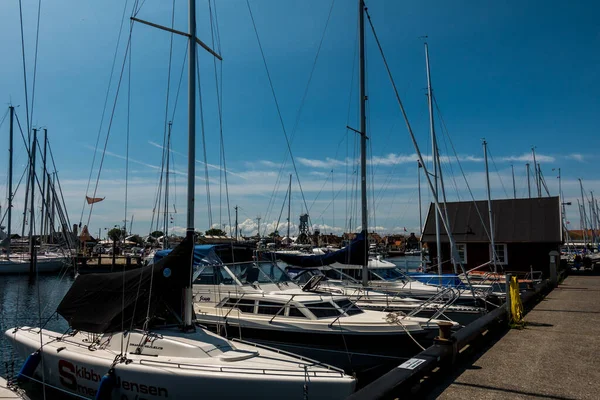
[525, 231]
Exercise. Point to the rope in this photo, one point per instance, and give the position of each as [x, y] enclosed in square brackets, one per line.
[394, 318]
[24, 67]
[208, 204]
[498, 173]
[103, 110]
[287, 139]
[37, 36]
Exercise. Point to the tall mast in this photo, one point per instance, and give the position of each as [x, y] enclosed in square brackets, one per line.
[434, 153]
[419, 166]
[236, 223]
[593, 217]
[528, 181]
[537, 177]
[489, 201]
[191, 173]
[513, 178]
[583, 216]
[289, 208]
[166, 214]
[10, 177]
[43, 220]
[363, 139]
[31, 205]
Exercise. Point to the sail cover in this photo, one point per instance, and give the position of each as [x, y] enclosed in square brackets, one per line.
[354, 253]
[102, 303]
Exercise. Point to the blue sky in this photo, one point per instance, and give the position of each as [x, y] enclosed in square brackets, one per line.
[517, 73]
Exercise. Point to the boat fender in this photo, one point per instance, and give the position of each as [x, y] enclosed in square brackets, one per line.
[107, 384]
[29, 366]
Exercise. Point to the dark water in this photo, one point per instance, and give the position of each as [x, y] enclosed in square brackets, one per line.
[19, 306]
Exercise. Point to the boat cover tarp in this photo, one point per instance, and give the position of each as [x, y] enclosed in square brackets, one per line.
[354, 253]
[110, 302]
[204, 254]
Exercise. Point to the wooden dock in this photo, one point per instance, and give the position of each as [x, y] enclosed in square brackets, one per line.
[554, 357]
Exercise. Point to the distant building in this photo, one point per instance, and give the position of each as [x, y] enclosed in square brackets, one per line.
[525, 231]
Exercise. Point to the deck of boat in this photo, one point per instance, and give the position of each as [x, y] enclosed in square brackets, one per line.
[6, 393]
[554, 357]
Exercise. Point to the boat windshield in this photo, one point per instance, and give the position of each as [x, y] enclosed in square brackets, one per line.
[258, 272]
[389, 274]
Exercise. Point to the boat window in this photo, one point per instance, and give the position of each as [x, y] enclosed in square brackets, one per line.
[269, 308]
[262, 272]
[348, 307]
[244, 305]
[213, 276]
[295, 312]
[323, 310]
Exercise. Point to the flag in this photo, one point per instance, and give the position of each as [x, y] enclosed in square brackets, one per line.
[92, 200]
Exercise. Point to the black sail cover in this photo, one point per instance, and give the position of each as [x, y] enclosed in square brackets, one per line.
[354, 253]
[116, 301]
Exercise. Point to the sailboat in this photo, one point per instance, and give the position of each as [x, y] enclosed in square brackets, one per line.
[132, 333]
[30, 259]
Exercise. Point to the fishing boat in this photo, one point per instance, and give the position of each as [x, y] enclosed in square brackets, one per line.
[133, 333]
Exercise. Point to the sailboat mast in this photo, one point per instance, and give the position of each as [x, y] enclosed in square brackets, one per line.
[191, 172]
[10, 176]
[434, 153]
[289, 208]
[420, 211]
[528, 181]
[537, 177]
[583, 216]
[513, 178]
[43, 220]
[166, 214]
[489, 201]
[363, 139]
[31, 205]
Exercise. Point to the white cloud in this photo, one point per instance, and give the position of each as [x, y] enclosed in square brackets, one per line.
[528, 157]
[575, 156]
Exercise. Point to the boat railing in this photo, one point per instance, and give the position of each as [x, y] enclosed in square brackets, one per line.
[443, 299]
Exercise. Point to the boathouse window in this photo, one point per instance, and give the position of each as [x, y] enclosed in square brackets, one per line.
[244, 305]
[462, 252]
[323, 310]
[501, 253]
[294, 312]
[269, 308]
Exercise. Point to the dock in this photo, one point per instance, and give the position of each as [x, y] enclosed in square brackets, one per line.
[554, 357]
[6, 393]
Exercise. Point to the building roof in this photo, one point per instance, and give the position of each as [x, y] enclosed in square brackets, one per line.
[535, 220]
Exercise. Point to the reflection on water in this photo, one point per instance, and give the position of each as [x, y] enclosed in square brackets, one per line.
[24, 303]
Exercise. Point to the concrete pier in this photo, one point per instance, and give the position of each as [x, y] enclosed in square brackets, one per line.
[555, 357]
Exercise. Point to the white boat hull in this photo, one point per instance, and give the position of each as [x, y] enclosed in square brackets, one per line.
[75, 365]
[21, 265]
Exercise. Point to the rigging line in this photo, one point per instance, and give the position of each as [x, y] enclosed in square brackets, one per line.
[498, 173]
[111, 120]
[112, 70]
[127, 143]
[461, 169]
[281, 212]
[300, 109]
[37, 36]
[318, 194]
[220, 105]
[210, 221]
[289, 147]
[449, 163]
[3, 118]
[24, 68]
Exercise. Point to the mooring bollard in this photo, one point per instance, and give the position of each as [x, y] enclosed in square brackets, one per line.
[445, 332]
[507, 302]
[554, 260]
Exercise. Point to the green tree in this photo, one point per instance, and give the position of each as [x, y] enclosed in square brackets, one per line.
[274, 234]
[115, 234]
[215, 232]
[157, 234]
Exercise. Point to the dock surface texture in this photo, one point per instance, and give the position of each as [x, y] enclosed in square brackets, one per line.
[556, 355]
[6, 393]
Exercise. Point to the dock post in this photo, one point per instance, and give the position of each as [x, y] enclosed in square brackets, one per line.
[99, 259]
[128, 262]
[554, 260]
[507, 302]
[114, 254]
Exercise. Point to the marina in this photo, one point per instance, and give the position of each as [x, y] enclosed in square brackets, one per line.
[269, 207]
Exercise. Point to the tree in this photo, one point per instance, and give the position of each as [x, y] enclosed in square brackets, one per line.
[274, 234]
[157, 234]
[215, 232]
[115, 234]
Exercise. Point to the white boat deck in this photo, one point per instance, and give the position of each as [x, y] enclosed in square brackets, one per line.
[6, 393]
